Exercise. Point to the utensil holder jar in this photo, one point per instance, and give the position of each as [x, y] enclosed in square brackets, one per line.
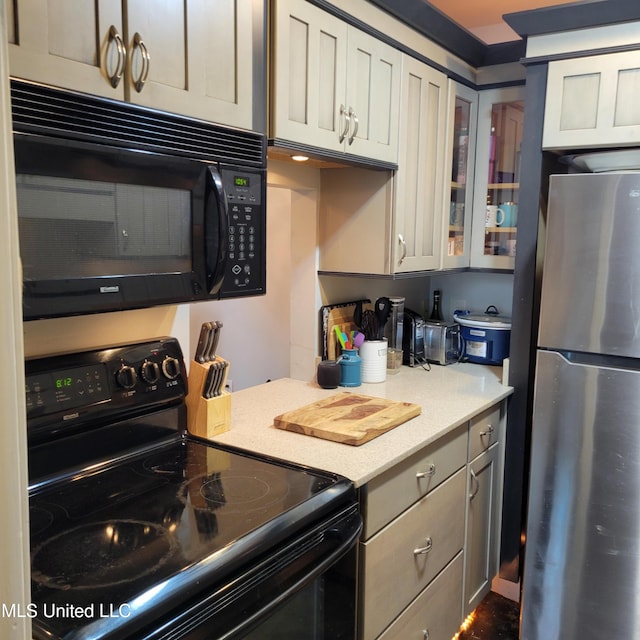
[350, 366]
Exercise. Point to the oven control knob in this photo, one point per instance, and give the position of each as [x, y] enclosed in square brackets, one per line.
[126, 377]
[150, 371]
[171, 367]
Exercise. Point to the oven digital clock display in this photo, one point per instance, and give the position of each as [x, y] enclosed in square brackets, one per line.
[66, 389]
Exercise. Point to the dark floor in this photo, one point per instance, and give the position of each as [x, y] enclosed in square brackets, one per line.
[496, 618]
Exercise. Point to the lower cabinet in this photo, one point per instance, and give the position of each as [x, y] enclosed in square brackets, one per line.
[485, 470]
[431, 534]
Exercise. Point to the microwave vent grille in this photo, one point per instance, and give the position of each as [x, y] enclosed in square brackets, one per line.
[44, 110]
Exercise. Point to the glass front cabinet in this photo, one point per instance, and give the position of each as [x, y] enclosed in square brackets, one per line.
[497, 178]
[462, 113]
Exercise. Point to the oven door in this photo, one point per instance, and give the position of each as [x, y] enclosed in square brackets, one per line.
[304, 591]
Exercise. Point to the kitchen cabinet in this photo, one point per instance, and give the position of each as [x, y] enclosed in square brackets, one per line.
[484, 505]
[334, 86]
[419, 180]
[193, 58]
[462, 111]
[430, 542]
[497, 175]
[592, 102]
[395, 219]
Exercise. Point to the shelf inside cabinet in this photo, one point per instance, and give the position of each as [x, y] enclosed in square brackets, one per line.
[500, 229]
[503, 185]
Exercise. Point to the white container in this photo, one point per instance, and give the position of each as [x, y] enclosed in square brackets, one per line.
[373, 354]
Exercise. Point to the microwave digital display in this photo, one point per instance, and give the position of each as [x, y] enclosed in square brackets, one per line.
[241, 181]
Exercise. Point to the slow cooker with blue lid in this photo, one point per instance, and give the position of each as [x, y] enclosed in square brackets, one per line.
[485, 337]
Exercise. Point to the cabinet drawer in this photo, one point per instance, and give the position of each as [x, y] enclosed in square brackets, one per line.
[390, 493]
[435, 613]
[483, 431]
[401, 560]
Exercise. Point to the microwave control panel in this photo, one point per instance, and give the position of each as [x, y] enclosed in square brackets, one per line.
[246, 249]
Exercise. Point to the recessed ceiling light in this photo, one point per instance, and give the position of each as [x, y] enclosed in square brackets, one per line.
[300, 158]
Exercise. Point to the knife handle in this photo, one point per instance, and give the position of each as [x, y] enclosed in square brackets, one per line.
[202, 343]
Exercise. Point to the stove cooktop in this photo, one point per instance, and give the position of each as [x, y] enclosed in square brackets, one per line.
[114, 543]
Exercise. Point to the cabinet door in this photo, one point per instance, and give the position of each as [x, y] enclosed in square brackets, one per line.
[593, 102]
[420, 176]
[373, 97]
[497, 175]
[483, 517]
[200, 58]
[310, 76]
[462, 116]
[68, 43]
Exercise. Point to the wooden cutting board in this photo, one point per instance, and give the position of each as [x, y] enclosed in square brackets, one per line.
[349, 418]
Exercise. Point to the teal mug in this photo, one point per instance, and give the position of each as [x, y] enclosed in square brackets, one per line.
[510, 210]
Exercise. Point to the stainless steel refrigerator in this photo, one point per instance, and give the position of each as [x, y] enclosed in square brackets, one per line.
[582, 552]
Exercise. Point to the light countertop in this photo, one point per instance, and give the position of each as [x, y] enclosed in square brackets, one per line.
[449, 396]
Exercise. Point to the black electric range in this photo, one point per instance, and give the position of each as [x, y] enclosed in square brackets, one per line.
[139, 530]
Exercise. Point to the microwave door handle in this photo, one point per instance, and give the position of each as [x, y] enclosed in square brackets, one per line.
[216, 220]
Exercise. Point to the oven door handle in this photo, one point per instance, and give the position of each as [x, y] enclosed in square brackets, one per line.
[216, 230]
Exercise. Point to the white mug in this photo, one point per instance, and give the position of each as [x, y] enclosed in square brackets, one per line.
[495, 216]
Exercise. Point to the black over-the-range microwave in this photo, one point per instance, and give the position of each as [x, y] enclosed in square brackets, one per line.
[124, 207]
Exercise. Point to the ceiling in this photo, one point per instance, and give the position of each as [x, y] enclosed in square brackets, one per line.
[483, 18]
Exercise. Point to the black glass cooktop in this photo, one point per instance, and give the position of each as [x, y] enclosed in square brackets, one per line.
[116, 542]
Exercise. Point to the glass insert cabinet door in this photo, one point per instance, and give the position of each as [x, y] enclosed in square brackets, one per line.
[463, 111]
[497, 186]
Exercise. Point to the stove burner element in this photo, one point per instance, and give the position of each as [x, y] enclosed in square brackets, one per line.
[101, 554]
[246, 492]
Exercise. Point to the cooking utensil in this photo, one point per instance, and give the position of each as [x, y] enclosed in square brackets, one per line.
[369, 325]
[382, 309]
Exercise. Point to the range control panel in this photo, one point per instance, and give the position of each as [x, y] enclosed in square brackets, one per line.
[103, 384]
[245, 271]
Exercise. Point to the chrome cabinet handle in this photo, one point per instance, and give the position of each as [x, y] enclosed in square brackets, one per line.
[347, 122]
[425, 634]
[404, 248]
[114, 36]
[420, 551]
[353, 114]
[138, 43]
[487, 432]
[474, 479]
[431, 471]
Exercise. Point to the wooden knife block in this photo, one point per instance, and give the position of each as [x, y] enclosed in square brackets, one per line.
[206, 417]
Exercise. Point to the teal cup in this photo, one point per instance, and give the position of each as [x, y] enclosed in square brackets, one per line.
[510, 210]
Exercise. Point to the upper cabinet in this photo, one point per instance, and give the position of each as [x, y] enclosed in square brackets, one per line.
[395, 219]
[497, 176]
[462, 110]
[421, 171]
[334, 87]
[593, 101]
[189, 57]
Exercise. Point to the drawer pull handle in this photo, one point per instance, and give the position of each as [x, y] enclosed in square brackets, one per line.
[431, 471]
[425, 634]
[488, 432]
[420, 551]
